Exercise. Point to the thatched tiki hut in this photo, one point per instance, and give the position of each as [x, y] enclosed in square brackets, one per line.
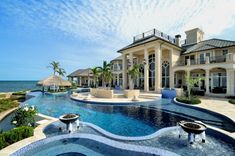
[54, 82]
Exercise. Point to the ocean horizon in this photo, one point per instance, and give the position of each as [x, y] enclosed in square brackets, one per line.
[18, 85]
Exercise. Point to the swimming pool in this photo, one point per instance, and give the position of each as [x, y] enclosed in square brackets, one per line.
[138, 119]
[87, 145]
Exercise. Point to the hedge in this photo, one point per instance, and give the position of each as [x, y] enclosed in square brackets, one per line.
[193, 100]
[15, 135]
[232, 101]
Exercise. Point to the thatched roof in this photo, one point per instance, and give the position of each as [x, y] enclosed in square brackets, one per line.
[54, 80]
[81, 72]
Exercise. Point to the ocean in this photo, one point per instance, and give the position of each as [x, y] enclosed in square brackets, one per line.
[14, 86]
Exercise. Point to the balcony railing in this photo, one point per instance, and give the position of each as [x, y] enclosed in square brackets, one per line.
[117, 68]
[198, 61]
[154, 32]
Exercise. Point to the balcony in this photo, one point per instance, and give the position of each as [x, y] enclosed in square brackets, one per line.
[156, 33]
[208, 60]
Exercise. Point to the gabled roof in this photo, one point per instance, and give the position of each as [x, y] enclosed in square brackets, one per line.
[207, 45]
[119, 58]
[146, 40]
[81, 72]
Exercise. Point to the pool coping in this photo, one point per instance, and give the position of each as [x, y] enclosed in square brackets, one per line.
[4, 114]
[208, 111]
[38, 135]
[201, 109]
[101, 139]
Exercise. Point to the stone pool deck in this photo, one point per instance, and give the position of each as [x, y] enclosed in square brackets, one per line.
[219, 105]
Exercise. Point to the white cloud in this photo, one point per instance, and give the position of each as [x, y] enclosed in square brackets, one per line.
[112, 24]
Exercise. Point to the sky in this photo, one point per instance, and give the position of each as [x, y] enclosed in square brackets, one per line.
[83, 33]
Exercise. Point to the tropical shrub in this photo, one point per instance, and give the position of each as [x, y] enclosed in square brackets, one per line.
[232, 101]
[105, 73]
[192, 100]
[24, 116]
[134, 73]
[14, 135]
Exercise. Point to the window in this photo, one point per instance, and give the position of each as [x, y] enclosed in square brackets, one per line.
[225, 51]
[191, 57]
[165, 74]
[185, 59]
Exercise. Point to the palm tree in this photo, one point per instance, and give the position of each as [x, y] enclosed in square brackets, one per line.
[96, 72]
[108, 77]
[134, 73]
[105, 71]
[61, 72]
[55, 66]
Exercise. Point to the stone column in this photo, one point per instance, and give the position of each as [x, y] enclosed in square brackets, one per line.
[158, 68]
[230, 82]
[131, 83]
[172, 79]
[124, 71]
[172, 74]
[207, 81]
[118, 80]
[146, 70]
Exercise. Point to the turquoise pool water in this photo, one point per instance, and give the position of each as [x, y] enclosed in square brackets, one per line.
[126, 120]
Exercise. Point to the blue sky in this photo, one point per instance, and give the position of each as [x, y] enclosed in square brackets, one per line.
[81, 34]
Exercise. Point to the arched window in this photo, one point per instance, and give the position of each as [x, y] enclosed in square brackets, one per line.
[165, 74]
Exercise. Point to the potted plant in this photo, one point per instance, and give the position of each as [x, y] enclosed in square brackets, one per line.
[134, 73]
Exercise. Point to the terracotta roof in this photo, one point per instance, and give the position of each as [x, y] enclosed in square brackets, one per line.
[207, 45]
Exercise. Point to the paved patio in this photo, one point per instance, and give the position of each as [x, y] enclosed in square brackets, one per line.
[219, 105]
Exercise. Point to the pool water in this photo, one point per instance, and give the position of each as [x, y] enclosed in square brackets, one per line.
[138, 119]
[120, 120]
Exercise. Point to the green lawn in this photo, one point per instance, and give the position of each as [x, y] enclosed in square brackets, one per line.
[6, 104]
[2, 96]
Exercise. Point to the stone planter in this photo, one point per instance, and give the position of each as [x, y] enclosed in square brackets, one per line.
[102, 93]
[131, 93]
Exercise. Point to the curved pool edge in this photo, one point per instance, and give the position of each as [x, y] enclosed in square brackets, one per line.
[38, 135]
[100, 139]
[127, 138]
[4, 114]
[202, 109]
[230, 134]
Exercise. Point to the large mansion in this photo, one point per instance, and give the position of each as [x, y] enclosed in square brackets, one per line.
[165, 61]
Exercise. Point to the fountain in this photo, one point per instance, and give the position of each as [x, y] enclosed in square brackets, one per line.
[69, 119]
[193, 129]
